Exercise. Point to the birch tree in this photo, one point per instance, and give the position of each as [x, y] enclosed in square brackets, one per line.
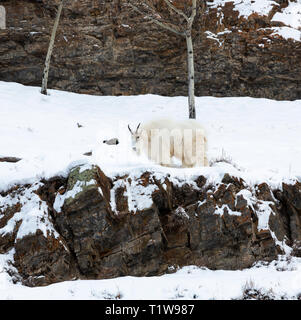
[176, 17]
[50, 48]
[2, 18]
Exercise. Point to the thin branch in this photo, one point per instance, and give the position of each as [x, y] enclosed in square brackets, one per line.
[159, 23]
[178, 11]
[193, 14]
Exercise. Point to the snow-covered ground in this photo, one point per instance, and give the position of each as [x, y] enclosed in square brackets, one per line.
[279, 280]
[260, 136]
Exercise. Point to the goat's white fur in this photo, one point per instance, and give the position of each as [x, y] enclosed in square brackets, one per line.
[185, 140]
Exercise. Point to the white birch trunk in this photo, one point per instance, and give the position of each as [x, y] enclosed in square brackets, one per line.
[50, 49]
[190, 68]
[2, 18]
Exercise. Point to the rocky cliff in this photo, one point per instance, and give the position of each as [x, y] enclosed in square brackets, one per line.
[102, 48]
[91, 226]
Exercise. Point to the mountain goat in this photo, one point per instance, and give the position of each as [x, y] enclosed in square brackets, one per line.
[171, 143]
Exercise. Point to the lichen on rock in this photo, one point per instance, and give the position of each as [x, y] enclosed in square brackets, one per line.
[81, 179]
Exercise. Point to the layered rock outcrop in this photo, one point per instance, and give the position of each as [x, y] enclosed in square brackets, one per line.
[103, 48]
[91, 226]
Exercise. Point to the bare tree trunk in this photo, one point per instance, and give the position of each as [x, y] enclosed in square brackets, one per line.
[190, 62]
[190, 68]
[50, 49]
[2, 18]
[152, 14]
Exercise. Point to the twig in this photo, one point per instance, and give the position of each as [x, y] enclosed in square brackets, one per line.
[161, 24]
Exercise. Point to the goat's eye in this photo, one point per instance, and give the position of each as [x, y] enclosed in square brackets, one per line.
[138, 138]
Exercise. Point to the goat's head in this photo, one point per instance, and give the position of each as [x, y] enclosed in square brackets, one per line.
[136, 135]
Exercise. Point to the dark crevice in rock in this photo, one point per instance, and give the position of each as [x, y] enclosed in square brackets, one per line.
[188, 240]
[284, 210]
[290, 198]
[164, 241]
[48, 191]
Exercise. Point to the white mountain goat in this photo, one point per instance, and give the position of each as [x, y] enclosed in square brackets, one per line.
[171, 143]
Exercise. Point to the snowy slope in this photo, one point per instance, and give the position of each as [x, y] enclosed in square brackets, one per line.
[261, 136]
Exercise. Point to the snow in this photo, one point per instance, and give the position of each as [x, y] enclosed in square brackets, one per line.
[225, 208]
[248, 196]
[213, 36]
[279, 279]
[263, 213]
[285, 32]
[259, 136]
[33, 213]
[247, 7]
[263, 210]
[282, 244]
[181, 213]
[138, 197]
[290, 16]
[77, 188]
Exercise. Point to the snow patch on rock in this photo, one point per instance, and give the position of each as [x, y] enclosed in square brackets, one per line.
[290, 16]
[247, 7]
[33, 214]
[77, 188]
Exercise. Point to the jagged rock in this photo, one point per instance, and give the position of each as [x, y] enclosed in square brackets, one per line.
[144, 224]
[43, 260]
[106, 245]
[40, 253]
[7, 239]
[291, 199]
[102, 48]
